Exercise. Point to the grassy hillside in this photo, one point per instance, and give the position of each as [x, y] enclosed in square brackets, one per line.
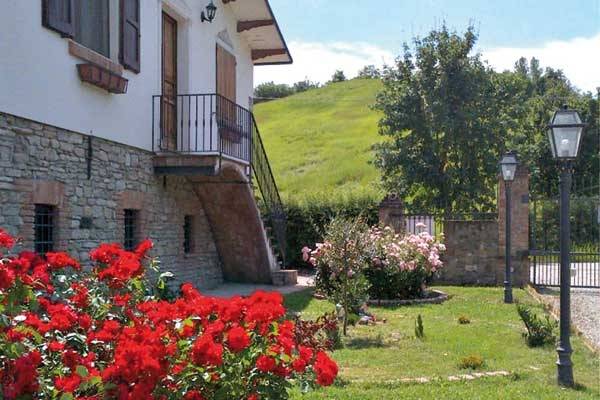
[319, 142]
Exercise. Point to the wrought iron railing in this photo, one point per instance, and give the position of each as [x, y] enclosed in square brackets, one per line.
[268, 190]
[212, 124]
[200, 124]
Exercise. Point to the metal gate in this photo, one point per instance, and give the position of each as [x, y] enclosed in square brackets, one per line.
[544, 238]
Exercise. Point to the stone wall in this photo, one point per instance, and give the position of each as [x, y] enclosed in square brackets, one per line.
[41, 164]
[471, 256]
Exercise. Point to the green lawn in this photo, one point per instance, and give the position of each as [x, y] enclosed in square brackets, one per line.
[319, 141]
[375, 358]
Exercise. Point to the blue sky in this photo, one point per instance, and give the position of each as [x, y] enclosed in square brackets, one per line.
[348, 32]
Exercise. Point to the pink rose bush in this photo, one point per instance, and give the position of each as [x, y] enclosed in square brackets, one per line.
[102, 332]
[395, 266]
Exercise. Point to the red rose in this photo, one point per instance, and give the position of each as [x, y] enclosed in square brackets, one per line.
[237, 339]
[206, 352]
[265, 363]
[325, 369]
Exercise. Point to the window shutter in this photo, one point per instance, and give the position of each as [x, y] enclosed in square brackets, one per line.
[59, 16]
[130, 34]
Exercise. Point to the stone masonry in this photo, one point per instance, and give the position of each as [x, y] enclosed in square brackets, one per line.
[41, 164]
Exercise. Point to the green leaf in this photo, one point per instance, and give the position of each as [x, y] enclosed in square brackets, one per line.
[82, 371]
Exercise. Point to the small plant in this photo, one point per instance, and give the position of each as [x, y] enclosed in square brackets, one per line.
[539, 331]
[419, 331]
[473, 361]
[464, 320]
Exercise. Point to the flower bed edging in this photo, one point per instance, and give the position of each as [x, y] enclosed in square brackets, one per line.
[438, 299]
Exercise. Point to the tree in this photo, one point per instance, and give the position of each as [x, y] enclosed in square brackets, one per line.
[271, 90]
[441, 120]
[369, 72]
[338, 76]
[303, 86]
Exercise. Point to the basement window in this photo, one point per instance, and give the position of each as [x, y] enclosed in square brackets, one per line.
[188, 223]
[130, 223]
[44, 228]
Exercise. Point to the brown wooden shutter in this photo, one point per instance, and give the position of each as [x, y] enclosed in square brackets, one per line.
[59, 15]
[130, 34]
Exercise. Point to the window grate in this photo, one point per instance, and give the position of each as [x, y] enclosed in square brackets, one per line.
[187, 234]
[43, 228]
[130, 225]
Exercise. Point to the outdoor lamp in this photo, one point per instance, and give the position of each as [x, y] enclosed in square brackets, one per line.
[508, 168]
[508, 165]
[211, 10]
[564, 133]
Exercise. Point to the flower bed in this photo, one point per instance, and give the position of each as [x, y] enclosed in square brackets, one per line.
[67, 332]
[394, 266]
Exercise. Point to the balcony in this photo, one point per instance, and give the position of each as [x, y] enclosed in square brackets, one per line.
[193, 133]
[212, 140]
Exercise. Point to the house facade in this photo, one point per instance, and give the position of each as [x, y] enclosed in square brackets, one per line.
[126, 119]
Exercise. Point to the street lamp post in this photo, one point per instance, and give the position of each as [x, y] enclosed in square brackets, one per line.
[508, 168]
[564, 133]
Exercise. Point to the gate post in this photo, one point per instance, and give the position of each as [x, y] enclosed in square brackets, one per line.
[391, 213]
[519, 226]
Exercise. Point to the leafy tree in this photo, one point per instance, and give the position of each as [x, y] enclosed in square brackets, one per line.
[441, 121]
[448, 117]
[271, 90]
[303, 86]
[338, 76]
[369, 72]
[533, 95]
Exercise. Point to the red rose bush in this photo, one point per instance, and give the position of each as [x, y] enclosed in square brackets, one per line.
[73, 332]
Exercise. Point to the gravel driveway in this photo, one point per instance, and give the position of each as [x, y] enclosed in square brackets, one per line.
[585, 310]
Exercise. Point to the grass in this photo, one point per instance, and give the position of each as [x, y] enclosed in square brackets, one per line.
[376, 358]
[319, 142]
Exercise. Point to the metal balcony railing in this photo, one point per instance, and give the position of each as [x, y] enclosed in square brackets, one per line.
[201, 124]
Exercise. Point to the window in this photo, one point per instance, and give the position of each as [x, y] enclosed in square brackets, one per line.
[131, 229]
[109, 27]
[43, 228]
[92, 25]
[188, 223]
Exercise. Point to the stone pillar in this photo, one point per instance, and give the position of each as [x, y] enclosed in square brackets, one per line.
[519, 227]
[390, 213]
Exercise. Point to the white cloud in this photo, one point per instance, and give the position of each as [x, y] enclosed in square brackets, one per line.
[579, 59]
[318, 61]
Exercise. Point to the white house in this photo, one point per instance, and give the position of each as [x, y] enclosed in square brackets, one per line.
[125, 119]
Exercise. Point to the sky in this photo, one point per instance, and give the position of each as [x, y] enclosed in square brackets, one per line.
[325, 35]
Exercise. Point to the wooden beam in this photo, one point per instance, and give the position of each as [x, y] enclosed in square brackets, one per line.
[258, 54]
[247, 25]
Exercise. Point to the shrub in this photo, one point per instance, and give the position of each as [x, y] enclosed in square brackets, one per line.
[539, 331]
[473, 361]
[395, 266]
[400, 266]
[464, 320]
[100, 333]
[341, 260]
[307, 220]
[419, 330]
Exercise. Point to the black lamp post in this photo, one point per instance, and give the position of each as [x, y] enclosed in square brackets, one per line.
[211, 10]
[564, 133]
[508, 167]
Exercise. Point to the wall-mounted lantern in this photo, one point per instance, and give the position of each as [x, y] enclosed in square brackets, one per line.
[211, 10]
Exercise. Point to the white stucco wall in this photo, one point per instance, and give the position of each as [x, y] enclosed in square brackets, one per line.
[39, 80]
